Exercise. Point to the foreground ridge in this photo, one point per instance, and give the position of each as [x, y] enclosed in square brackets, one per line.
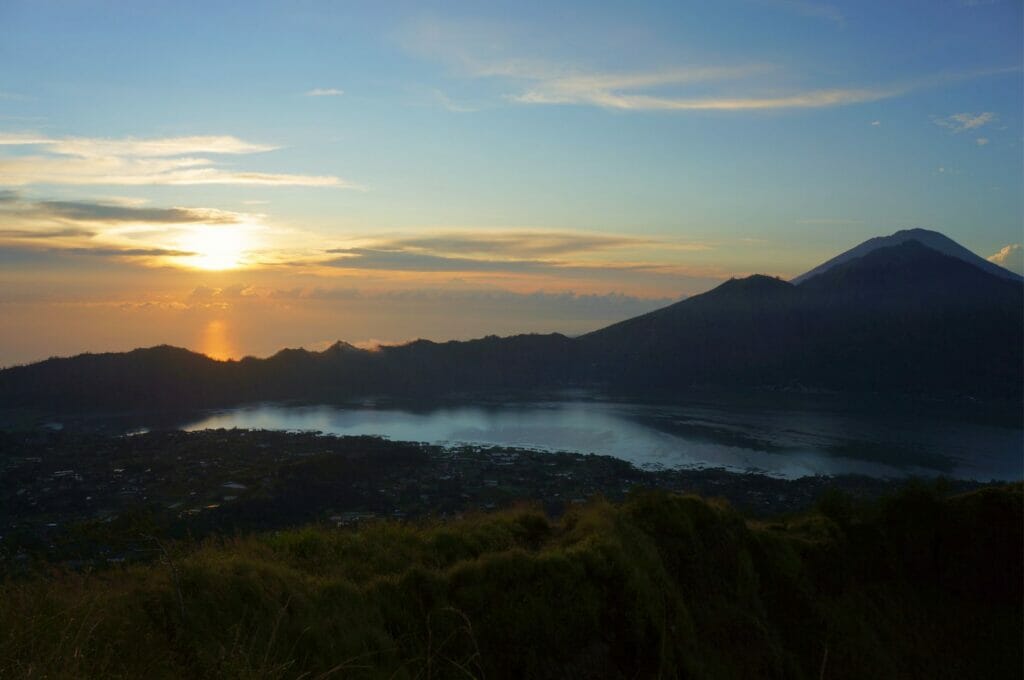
[917, 585]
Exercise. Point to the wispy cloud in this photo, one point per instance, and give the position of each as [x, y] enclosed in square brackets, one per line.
[1011, 257]
[14, 209]
[324, 92]
[399, 265]
[45, 254]
[91, 147]
[553, 84]
[516, 244]
[632, 91]
[518, 252]
[132, 161]
[123, 171]
[106, 213]
[962, 122]
[33, 234]
[624, 90]
[682, 87]
[640, 102]
[526, 253]
[981, 141]
[410, 261]
[742, 88]
[482, 51]
[128, 252]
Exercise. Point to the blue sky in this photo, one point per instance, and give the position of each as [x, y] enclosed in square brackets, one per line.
[645, 150]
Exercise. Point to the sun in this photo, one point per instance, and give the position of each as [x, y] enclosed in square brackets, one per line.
[216, 247]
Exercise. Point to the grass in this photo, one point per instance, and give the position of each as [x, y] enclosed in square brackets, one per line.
[661, 586]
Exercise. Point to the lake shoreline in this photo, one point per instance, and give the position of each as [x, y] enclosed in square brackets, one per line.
[785, 438]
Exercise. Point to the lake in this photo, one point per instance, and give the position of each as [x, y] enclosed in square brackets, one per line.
[779, 436]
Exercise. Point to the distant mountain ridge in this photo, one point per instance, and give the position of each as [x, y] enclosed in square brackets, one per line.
[902, 317]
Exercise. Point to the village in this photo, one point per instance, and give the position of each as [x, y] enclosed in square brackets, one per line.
[91, 499]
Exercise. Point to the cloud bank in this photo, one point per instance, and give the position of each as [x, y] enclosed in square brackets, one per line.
[73, 217]
[513, 252]
[1010, 257]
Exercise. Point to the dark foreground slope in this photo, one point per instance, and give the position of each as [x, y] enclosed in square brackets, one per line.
[918, 586]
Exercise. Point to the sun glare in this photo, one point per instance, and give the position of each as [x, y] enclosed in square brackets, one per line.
[217, 247]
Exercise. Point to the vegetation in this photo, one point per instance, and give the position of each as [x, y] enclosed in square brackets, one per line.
[916, 585]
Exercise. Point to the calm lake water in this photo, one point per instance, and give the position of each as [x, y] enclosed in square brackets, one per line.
[780, 439]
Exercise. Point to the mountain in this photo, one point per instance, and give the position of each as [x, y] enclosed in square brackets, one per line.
[732, 334]
[903, 318]
[909, 318]
[931, 239]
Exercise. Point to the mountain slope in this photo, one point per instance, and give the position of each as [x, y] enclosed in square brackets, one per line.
[931, 239]
[734, 333]
[901, 318]
[910, 316]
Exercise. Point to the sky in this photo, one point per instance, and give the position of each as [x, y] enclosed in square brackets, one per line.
[240, 177]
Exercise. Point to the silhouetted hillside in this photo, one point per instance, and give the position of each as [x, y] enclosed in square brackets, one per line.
[904, 318]
[161, 376]
[740, 333]
[491, 363]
